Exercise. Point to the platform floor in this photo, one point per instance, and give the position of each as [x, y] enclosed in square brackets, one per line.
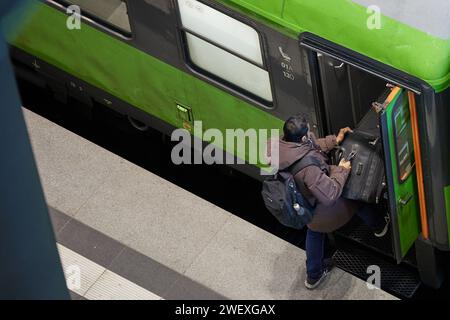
[134, 235]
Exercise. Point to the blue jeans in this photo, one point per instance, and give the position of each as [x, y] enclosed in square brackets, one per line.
[315, 241]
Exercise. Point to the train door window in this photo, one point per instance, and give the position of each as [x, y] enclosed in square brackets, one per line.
[225, 47]
[403, 138]
[112, 14]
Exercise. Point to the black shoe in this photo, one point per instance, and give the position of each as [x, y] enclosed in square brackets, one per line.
[312, 283]
[383, 230]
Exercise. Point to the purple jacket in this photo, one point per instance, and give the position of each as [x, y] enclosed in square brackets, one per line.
[321, 186]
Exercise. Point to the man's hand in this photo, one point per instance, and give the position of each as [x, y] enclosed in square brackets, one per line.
[341, 134]
[345, 164]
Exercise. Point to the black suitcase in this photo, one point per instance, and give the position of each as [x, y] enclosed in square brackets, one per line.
[364, 148]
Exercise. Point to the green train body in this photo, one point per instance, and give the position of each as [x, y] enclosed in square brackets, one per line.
[144, 68]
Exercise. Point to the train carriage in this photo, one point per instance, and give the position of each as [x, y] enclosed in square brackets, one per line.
[251, 64]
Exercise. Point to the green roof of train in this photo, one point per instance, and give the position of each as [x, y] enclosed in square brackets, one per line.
[414, 35]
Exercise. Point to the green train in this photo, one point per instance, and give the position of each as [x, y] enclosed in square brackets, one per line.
[252, 63]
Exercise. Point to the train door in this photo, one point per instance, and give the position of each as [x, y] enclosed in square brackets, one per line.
[401, 178]
[348, 93]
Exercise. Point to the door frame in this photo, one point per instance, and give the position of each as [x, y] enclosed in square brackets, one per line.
[357, 60]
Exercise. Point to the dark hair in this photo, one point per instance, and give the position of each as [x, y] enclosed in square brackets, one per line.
[295, 128]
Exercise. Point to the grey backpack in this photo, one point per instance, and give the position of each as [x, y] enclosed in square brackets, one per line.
[283, 199]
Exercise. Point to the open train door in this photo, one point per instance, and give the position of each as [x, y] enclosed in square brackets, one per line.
[398, 146]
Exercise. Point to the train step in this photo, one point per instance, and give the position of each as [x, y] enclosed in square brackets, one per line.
[399, 280]
[360, 233]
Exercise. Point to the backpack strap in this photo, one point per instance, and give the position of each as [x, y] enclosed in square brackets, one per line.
[303, 163]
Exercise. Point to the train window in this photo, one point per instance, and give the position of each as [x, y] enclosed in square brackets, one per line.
[229, 67]
[403, 138]
[113, 13]
[225, 47]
